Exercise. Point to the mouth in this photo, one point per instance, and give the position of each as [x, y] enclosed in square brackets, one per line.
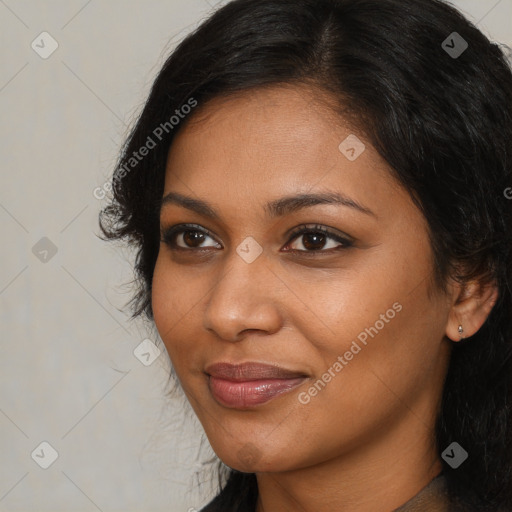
[247, 385]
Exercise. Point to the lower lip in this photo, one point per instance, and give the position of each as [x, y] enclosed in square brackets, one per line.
[244, 395]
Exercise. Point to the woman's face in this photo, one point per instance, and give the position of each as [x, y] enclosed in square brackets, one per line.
[346, 315]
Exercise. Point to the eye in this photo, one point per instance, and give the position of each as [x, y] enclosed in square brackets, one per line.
[187, 237]
[316, 239]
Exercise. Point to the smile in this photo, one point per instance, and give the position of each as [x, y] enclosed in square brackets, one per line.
[250, 384]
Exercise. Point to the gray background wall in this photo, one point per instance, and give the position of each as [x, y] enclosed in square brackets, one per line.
[68, 373]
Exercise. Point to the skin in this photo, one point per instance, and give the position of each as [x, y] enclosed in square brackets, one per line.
[365, 441]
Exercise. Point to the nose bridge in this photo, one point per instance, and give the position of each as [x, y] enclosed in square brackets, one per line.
[242, 298]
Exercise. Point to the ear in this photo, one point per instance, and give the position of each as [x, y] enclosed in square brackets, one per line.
[472, 305]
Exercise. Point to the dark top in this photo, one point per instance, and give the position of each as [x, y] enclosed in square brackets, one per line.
[432, 498]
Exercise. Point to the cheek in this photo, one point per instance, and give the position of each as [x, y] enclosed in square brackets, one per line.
[162, 292]
[171, 301]
[387, 331]
[392, 359]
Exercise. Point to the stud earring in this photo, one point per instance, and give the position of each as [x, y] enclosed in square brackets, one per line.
[461, 330]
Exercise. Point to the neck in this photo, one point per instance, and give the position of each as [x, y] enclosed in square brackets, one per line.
[382, 474]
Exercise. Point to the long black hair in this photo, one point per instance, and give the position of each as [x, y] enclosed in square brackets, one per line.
[436, 105]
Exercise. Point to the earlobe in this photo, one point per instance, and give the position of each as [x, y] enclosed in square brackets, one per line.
[471, 309]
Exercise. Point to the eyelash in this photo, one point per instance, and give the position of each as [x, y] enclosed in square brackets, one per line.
[169, 234]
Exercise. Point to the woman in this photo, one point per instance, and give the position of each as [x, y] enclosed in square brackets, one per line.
[317, 193]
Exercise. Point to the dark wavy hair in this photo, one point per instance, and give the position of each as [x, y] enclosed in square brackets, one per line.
[442, 122]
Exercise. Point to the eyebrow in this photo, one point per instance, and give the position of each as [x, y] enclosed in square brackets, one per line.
[277, 208]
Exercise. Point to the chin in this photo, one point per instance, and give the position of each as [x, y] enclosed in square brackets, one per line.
[253, 457]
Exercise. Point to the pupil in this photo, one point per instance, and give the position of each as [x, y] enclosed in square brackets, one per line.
[193, 238]
[313, 241]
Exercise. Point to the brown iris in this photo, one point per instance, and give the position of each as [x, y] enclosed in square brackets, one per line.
[313, 240]
[193, 238]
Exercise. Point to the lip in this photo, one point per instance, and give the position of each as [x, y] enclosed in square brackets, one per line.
[246, 385]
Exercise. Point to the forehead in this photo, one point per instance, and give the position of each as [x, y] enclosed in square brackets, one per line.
[268, 143]
[271, 118]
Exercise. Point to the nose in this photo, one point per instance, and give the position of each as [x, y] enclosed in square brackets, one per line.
[244, 299]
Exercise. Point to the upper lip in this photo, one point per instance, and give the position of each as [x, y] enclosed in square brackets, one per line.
[251, 371]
